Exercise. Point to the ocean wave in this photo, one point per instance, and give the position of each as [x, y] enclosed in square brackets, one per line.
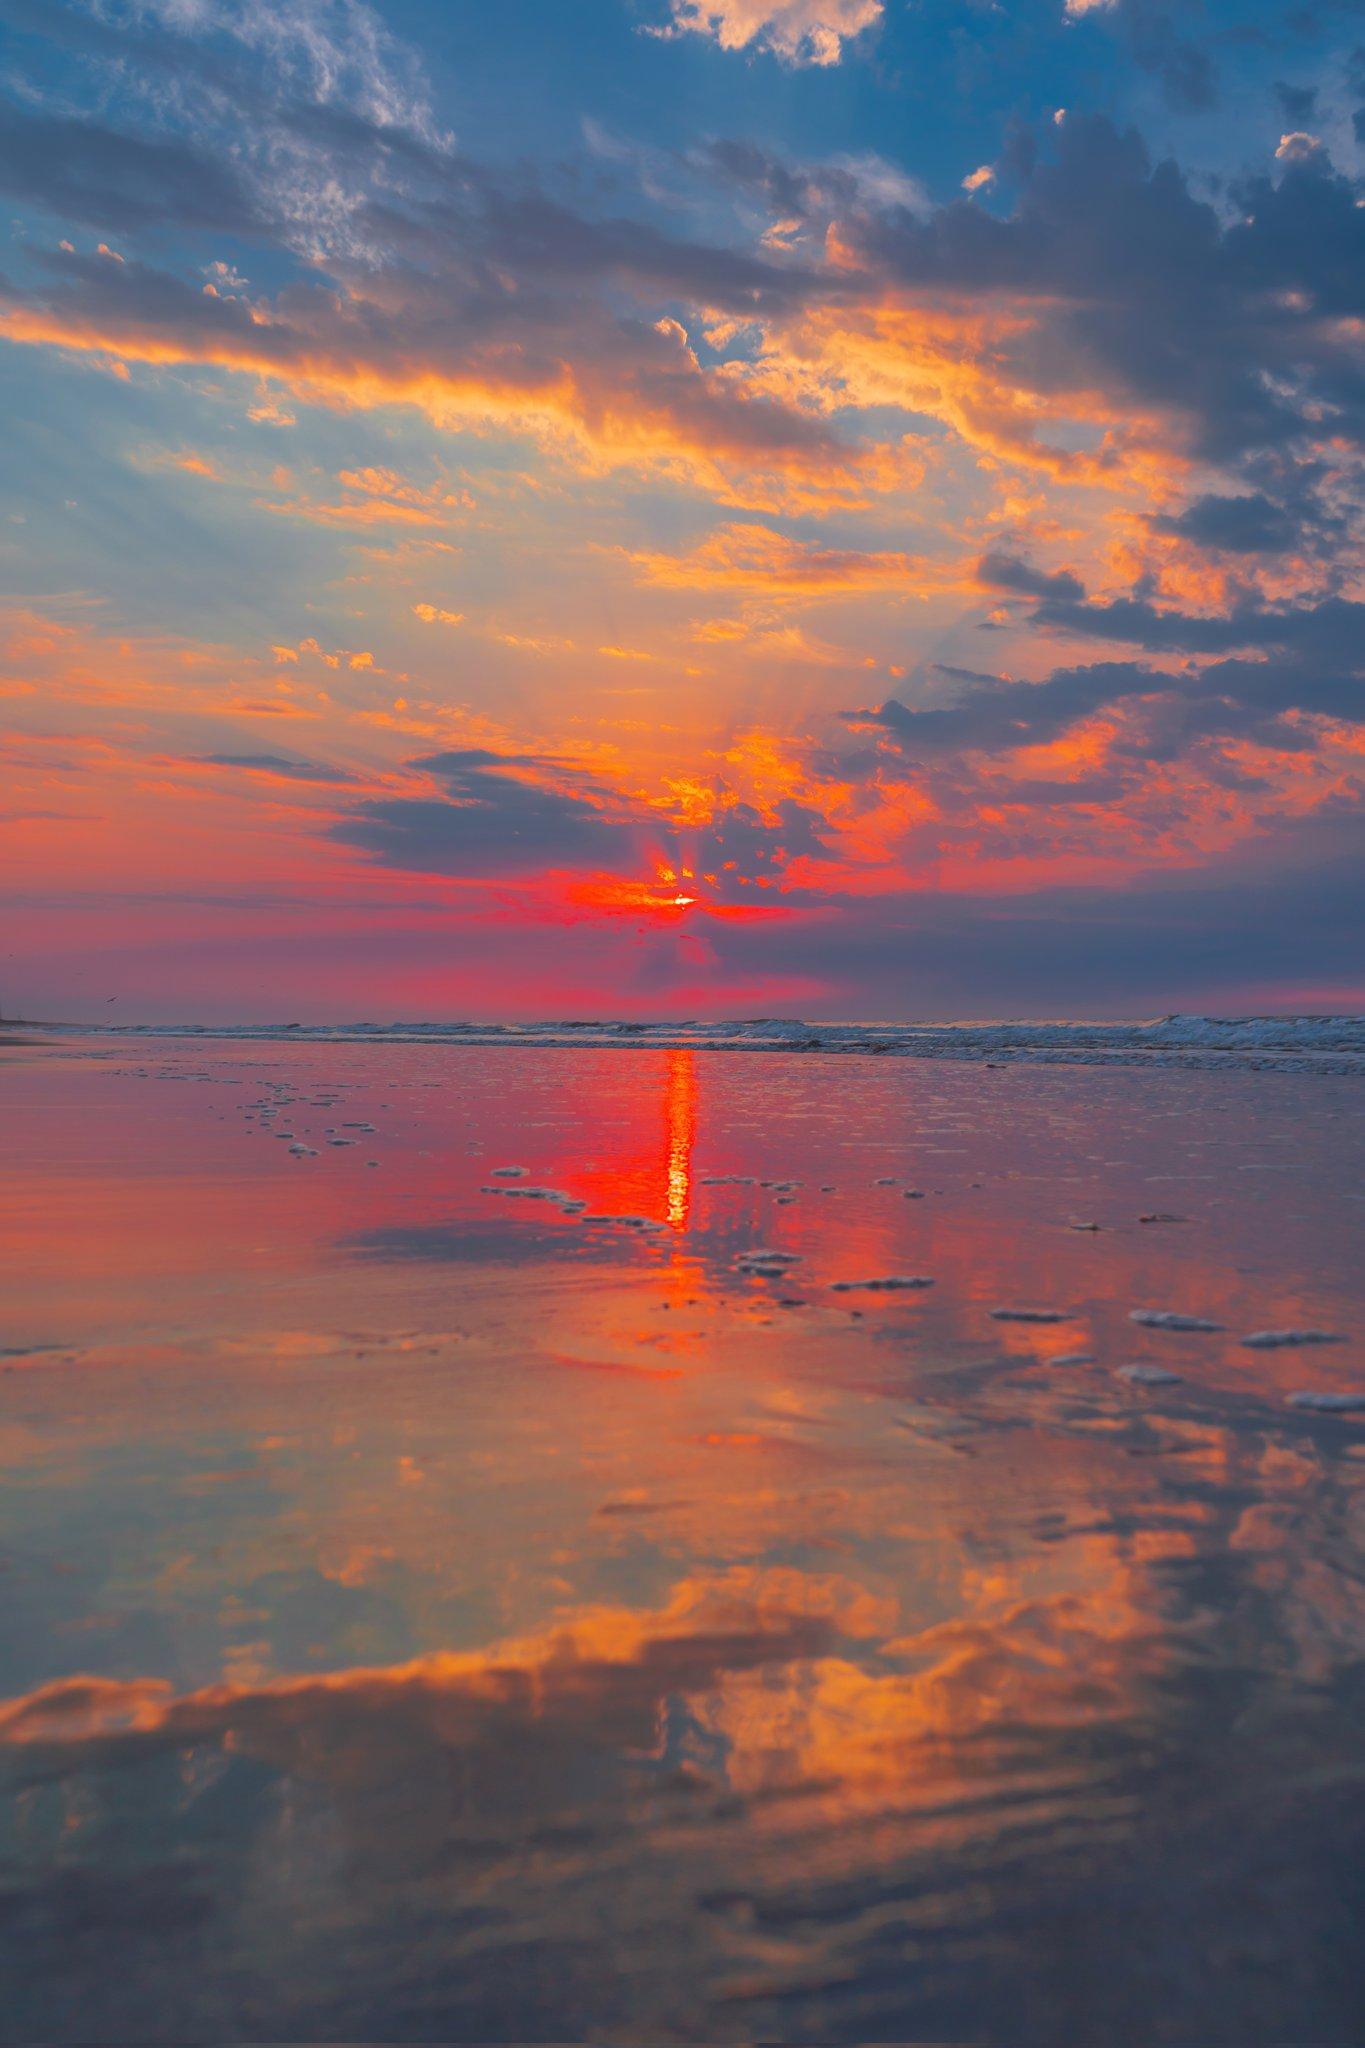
[1333, 1044]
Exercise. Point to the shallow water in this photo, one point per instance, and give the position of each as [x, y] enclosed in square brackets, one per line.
[430, 1613]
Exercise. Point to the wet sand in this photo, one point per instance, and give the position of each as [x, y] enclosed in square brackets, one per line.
[564, 1543]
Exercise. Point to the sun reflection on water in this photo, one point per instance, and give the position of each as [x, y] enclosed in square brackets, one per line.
[680, 1109]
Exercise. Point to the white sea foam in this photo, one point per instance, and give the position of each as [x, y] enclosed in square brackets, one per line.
[893, 1283]
[1277, 1340]
[1169, 1319]
[1030, 1315]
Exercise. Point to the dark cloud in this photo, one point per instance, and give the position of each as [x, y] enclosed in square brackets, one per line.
[1251, 525]
[85, 173]
[1009, 572]
[742, 835]
[994, 716]
[786, 188]
[1330, 632]
[1297, 102]
[1143, 290]
[1161, 46]
[488, 822]
[538, 234]
[810, 192]
[1311, 662]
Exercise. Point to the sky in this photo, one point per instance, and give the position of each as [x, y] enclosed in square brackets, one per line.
[843, 508]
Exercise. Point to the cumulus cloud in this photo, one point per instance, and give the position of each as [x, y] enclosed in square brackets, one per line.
[799, 31]
[1298, 148]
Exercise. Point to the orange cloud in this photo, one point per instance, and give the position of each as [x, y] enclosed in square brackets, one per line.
[200, 465]
[659, 411]
[799, 31]
[752, 557]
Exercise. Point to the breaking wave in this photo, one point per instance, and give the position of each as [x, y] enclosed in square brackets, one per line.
[1322, 1044]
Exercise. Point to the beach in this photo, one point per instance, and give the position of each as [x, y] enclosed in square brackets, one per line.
[552, 1540]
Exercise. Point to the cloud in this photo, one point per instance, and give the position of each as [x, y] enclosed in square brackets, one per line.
[1155, 42]
[517, 815]
[489, 821]
[1236, 331]
[798, 31]
[470, 346]
[1249, 525]
[376, 497]
[752, 557]
[1008, 572]
[1328, 633]
[332, 53]
[1297, 102]
[83, 172]
[807, 195]
[481, 299]
[1184, 70]
[1150, 327]
[284, 766]
[1298, 148]
[992, 715]
[1239, 934]
[1305, 660]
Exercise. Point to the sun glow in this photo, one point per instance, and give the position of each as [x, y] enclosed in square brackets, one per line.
[664, 897]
